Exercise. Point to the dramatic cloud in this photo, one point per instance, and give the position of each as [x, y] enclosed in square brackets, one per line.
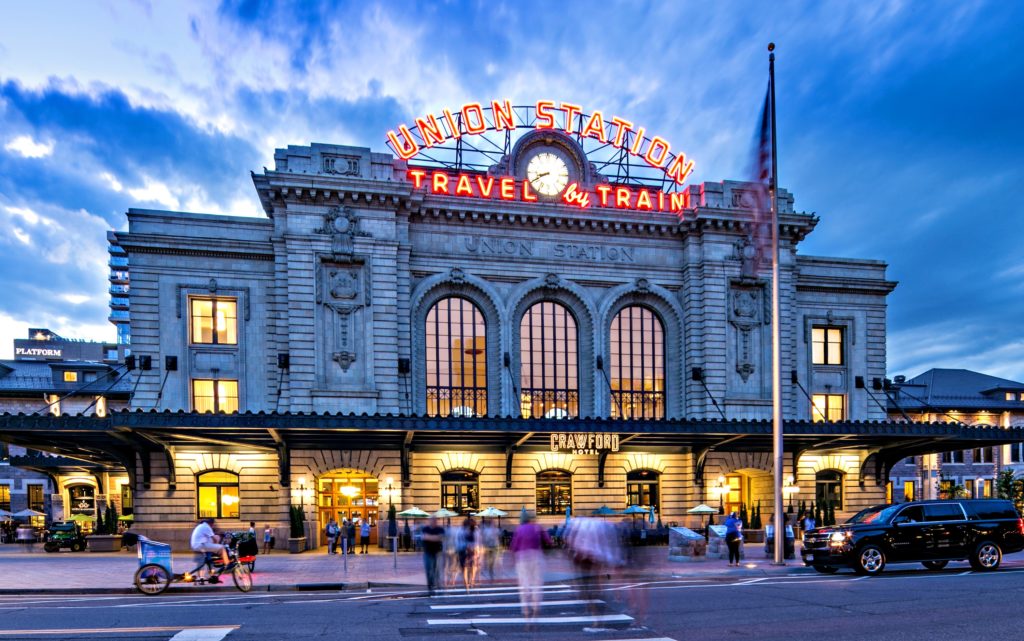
[899, 126]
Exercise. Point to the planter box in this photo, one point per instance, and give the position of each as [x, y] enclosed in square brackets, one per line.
[296, 545]
[753, 536]
[104, 542]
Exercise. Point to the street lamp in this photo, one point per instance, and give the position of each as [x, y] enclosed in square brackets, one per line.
[722, 490]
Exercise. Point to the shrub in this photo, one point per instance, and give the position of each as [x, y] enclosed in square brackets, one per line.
[296, 522]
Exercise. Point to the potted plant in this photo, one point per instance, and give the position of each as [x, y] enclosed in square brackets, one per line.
[297, 530]
[105, 537]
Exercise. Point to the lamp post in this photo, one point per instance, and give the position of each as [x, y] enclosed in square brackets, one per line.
[789, 489]
[392, 525]
[722, 489]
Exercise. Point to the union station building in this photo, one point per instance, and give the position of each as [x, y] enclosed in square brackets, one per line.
[379, 335]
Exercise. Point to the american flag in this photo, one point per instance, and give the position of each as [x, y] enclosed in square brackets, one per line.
[761, 179]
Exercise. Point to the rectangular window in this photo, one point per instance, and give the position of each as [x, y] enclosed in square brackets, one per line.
[828, 407]
[35, 498]
[969, 486]
[214, 321]
[70, 377]
[214, 395]
[983, 455]
[986, 489]
[5, 497]
[953, 457]
[1010, 396]
[1017, 453]
[127, 502]
[908, 490]
[827, 345]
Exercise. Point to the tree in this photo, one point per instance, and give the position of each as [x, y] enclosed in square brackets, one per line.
[743, 515]
[1010, 488]
[755, 523]
[296, 519]
[817, 513]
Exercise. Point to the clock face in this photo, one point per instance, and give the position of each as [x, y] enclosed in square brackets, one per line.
[547, 173]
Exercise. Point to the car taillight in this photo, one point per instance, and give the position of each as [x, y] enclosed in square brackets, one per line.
[1020, 525]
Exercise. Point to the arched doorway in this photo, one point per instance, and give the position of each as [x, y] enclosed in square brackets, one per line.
[346, 495]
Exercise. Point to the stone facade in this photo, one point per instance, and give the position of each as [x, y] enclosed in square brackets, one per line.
[334, 282]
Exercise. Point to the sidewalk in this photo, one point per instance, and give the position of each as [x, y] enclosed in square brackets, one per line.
[26, 571]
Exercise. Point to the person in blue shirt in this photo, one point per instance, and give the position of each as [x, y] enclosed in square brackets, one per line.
[733, 538]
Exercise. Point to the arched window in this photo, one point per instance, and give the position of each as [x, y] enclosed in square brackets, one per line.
[456, 339]
[460, 491]
[642, 488]
[217, 494]
[828, 488]
[549, 367]
[554, 491]
[637, 364]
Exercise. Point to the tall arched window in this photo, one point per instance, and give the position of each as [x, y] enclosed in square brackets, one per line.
[637, 364]
[460, 491]
[554, 491]
[456, 339]
[828, 488]
[549, 367]
[217, 494]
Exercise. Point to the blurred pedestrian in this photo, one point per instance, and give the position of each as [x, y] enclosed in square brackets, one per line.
[527, 548]
[489, 540]
[364, 537]
[733, 538]
[593, 546]
[331, 534]
[433, 544]
[268, 534]
[809, 523]
[468, 548]
[350, 535]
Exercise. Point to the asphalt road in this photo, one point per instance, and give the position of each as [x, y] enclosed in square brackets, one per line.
[954, 604]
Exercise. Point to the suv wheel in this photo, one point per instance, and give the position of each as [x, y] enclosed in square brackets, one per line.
[935, 565]
[870, 560]
[987, 556]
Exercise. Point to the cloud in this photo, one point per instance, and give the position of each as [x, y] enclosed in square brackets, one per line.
[29, 148]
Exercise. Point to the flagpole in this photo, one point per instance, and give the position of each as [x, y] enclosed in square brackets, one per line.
[777, 453]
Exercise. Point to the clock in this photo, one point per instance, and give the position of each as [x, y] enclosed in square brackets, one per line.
[548, 173]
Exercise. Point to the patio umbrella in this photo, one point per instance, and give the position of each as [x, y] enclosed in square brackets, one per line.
[701, 510]
[445, 513]
[25, 514]
[413, 513]
[633, 510]
[5, 515]
[491, 513]
[82, 518]
[604, 510]
[126, 517]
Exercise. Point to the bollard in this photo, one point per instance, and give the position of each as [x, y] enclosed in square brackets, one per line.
[394, 550]
[344, 552]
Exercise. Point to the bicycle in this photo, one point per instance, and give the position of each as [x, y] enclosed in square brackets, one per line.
[155, 573]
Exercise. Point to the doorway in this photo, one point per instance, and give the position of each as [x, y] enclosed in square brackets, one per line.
[348, 495]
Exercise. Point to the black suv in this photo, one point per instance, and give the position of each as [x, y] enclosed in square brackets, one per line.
[929, 532]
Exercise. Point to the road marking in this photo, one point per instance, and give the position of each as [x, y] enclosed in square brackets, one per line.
[749, 581]
[498, 588]
[206, 634]
[599, 618]
[486, 606]
[965, 573]
[219, 629]
[514, 593]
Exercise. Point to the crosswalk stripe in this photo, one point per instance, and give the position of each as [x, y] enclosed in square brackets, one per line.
[207, 634]
[515, 593]
[221, 630]
[499, 588]
[516, 604]
[599, 618]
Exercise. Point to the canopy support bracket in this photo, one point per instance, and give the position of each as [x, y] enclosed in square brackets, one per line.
[602, 458]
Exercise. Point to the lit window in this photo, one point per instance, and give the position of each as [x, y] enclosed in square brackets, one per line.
[217, 495]
[637, 364]
[908, 490]
[828, 407]
[986, 489]
[554, 492]
[549, 367]
[35, 498]
[1010, 396]
[828, 488]
[101, 406]
[1022, 396]
[214, 395]
[642, 488]
[5, 497]
[969, 488]
[460, 491]
[456, 337]
[214, 321]
[827, 346]
[70, 377]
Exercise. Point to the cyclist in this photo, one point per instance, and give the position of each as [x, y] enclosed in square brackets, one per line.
[206, 541]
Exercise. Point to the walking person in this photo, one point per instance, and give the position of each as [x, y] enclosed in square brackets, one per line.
[364, 536]
[733, 538]
[527, 548]
[489, 539]
[433, 544]
[468, 548]
[809, 523]
[268, 534]
[331, 532]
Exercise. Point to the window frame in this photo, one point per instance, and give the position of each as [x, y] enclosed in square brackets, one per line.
[838, 482]
[649, 362]
[553, 400]
[552, 508]
[462, 488]
[40, 505]
[70, 376]
[828, 408]
[216, 395]
[473, 395]
[219, 487]
[214, 300]
[5, 504]
[825, 343]
[952, 457]
[653, 489]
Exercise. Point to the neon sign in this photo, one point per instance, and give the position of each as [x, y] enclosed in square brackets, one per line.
[472, 118]
[507, 188]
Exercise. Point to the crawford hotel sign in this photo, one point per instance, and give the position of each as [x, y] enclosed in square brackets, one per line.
[549, 175]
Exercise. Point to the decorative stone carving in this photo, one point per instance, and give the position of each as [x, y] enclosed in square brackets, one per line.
[212, 285]
[746, 253]
[457, 276]
[745, 314]
[344, 359]
[552, 281]
[342, 224]
[344, 284]
[643, 285]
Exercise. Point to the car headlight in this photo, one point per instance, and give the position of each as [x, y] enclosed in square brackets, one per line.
[839, 537]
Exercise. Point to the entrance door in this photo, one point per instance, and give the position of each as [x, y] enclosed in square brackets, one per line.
[736, 495]
[348, 495]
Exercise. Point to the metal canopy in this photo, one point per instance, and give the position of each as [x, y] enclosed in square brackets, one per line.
[114, 439]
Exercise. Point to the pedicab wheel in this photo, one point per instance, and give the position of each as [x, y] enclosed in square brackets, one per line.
[51, 547]
[243, 580]
[152, 579]
[252, 566]
[77, 547]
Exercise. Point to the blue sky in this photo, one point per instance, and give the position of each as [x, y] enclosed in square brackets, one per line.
[899, 125]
